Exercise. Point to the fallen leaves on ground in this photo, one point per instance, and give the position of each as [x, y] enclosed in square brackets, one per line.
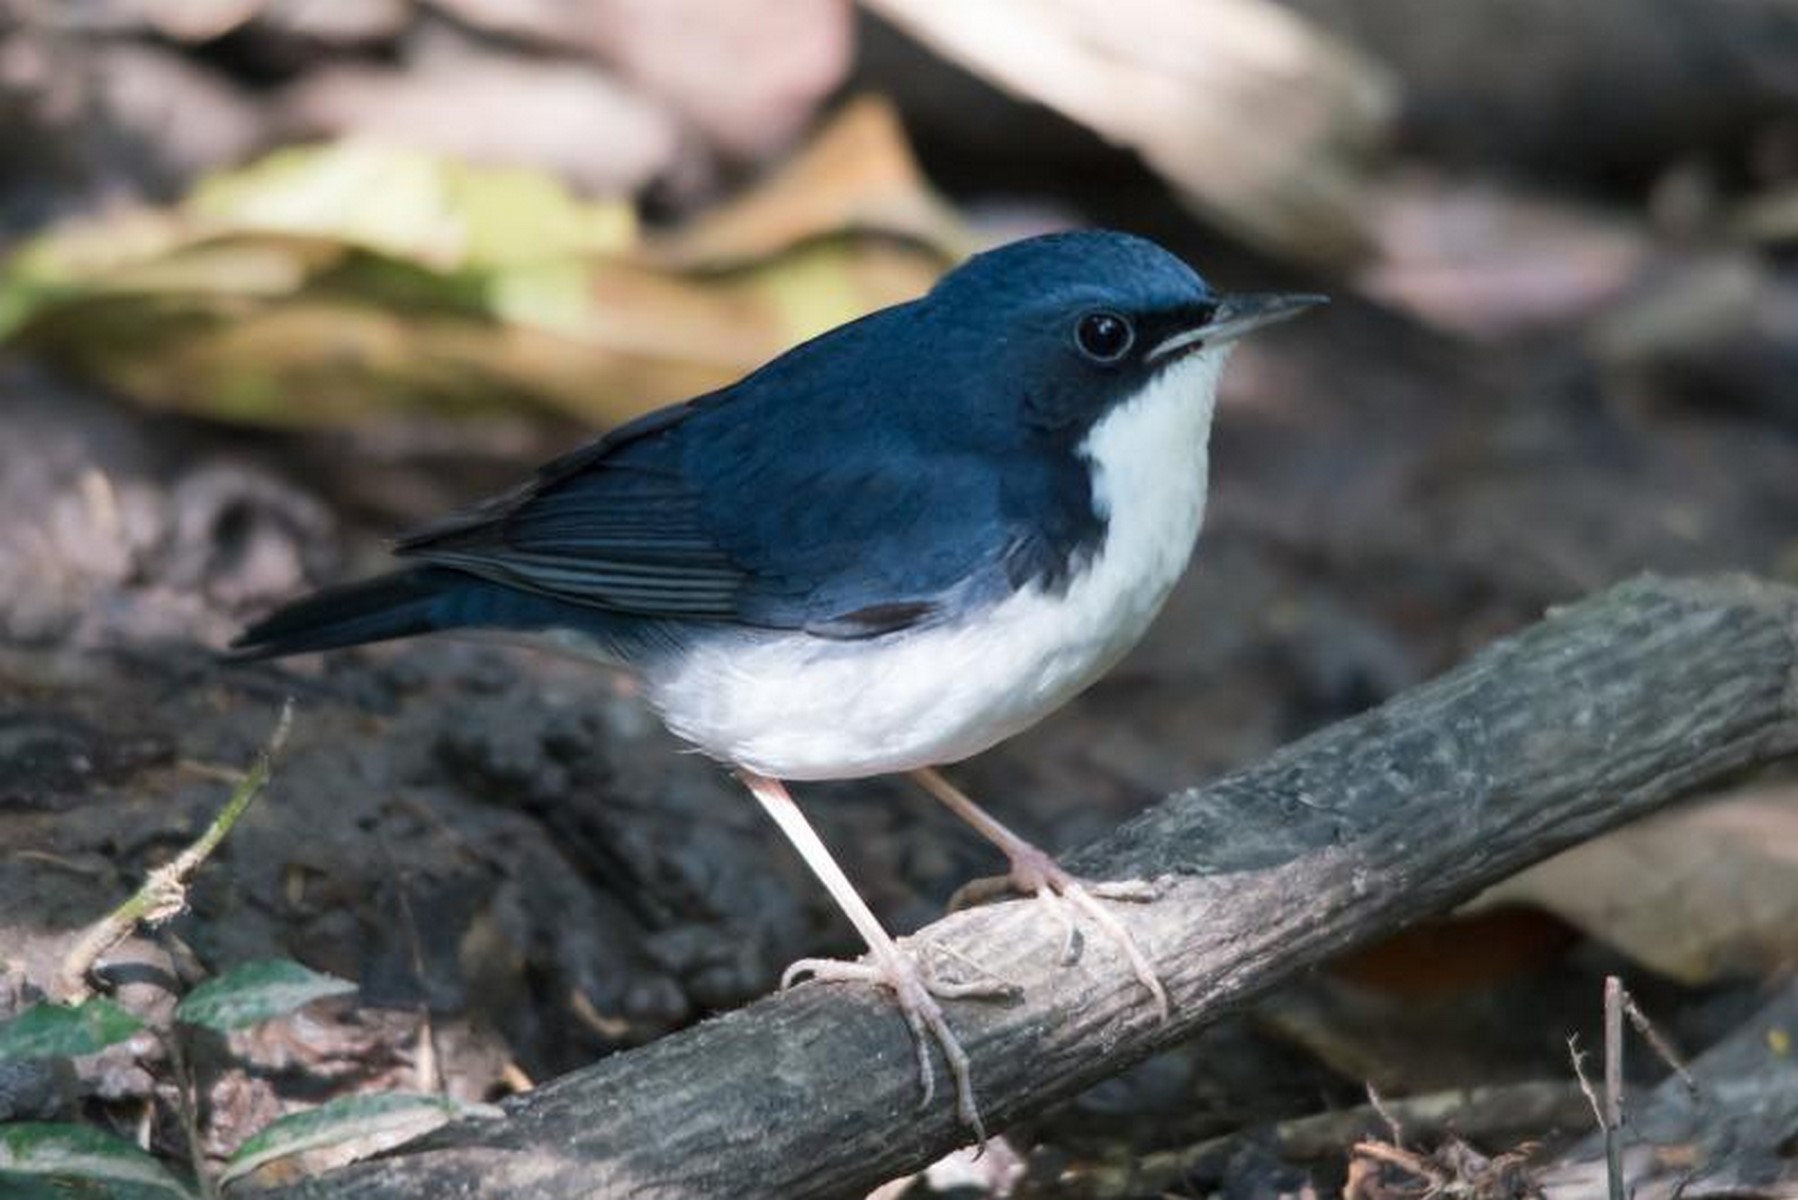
[1696, 894]
[329, 284]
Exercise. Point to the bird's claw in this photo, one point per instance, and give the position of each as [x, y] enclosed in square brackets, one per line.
[1034, 873]
[915, 987]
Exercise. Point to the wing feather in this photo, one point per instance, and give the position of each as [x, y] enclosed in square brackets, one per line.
[781, 502]
[613, 525]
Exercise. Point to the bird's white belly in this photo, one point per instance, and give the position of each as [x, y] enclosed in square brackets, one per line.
[801, 707]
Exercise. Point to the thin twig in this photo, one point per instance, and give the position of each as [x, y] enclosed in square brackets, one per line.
[1413, 1164]
[587, 1013]
[187, 1108]
[1613, 1085]
[1658, 1043]
[426, 1057]
[1585, 1085]
[164, 890]
[1392, 1125]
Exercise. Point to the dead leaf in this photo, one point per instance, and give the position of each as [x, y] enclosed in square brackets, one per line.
[197, 20]
[747, 77]
[569, 118]
[1491, 261]
[1260, 119]
[1488, 261]
[327, 285]
[411, 205]
[1696, 894]
[857, 174]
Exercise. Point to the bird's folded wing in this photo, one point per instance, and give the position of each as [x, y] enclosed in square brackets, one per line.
[839, 547]
[602, 526]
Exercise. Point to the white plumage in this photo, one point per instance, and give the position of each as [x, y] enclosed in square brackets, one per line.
[808, 708]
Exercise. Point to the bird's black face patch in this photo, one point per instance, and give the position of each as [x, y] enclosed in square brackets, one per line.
[1089, 358]
[1168, 323]
[1014, 357]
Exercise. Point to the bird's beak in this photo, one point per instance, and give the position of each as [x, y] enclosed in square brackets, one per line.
[1235, 316]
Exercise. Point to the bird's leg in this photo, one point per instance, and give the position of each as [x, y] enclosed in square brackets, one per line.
[1035, 872]
[887, 965]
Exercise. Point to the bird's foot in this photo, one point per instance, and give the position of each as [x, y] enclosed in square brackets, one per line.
[915, 988]
[1067, 896]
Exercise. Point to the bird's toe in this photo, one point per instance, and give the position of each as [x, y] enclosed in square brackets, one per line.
[915, 989]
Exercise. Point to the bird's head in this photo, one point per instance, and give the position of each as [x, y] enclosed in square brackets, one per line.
[1076, 323]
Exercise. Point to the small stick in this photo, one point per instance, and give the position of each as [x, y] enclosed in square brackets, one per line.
[1585, 1085]
[513, 1076]
[588, 1014]
[426, 1056]
[187, 1108]
[1658, 1043]
[164, 891]
[1404, 1160]
[1613, 1085]
[1379, 1106]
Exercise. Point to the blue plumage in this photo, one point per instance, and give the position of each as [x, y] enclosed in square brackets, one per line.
[917, 461]
[888, 549]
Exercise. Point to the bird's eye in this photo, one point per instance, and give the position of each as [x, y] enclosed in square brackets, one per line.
[1104, 337]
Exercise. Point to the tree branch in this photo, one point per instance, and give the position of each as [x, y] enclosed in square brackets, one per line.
[1602, 712]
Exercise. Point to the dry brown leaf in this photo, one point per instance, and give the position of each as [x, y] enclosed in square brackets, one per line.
[1695, 894]
[1256, 116]
[327, 286]
[568, 118]
[858, 173]
[197, 20]
[747, 76]
[1485, 260]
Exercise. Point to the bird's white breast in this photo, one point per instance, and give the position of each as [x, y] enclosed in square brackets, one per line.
[808, 708]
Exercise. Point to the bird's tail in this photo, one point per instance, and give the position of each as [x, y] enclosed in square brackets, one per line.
[398, 605]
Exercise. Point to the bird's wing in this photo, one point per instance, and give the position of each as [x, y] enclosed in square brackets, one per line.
[612, 525]
[697, 513]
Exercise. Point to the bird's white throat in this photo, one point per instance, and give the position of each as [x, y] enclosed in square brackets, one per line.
[1151, 471]
[808, 708]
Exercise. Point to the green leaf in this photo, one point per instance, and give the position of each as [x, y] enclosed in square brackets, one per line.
[348, 1119]
[54, 1160]
[256, 991]
[61, 1030]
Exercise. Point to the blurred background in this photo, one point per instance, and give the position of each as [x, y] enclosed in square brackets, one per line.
[280, 277]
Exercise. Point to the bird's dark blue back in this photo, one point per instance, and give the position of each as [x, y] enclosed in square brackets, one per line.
[850, 487]
[907, 466]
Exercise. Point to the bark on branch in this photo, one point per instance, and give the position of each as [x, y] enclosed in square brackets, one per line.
[1602, 712]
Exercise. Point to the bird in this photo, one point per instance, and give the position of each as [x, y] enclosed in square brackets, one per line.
[886, 550]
